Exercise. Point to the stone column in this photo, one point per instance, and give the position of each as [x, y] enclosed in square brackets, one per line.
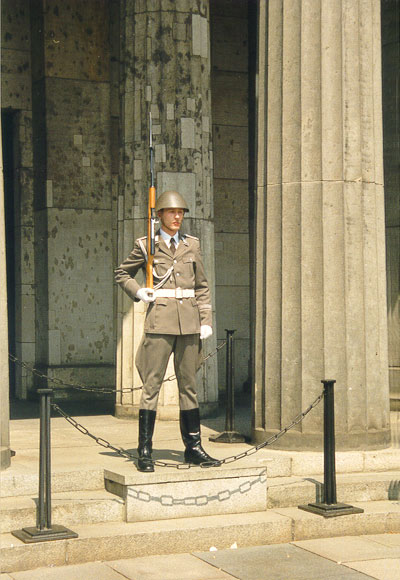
[321, 296]
[5, 454]
[166, 58]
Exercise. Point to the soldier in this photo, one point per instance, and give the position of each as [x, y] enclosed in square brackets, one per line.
[178, 317]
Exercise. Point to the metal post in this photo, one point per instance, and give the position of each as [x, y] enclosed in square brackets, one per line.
[229, 435]
[330, 507]
[329, 444]
[44, 530]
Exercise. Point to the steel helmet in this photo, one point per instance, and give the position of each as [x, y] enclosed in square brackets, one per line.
[171, 199]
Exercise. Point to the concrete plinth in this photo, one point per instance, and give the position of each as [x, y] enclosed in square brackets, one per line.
[191, 492]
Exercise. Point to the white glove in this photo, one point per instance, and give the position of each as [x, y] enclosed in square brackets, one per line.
[205, 331]
[146, 295]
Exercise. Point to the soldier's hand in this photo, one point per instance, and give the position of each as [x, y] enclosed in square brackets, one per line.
[205, 331]
[146, 295]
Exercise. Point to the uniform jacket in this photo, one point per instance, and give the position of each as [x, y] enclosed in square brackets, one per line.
[170, 315]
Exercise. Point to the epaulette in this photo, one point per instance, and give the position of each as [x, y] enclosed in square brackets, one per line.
[193, 237]
[142, 238]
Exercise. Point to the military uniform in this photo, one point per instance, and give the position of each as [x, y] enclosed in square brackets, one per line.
[178, 313]
[173, 320]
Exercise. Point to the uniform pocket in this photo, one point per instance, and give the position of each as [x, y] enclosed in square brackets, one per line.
[189, 265]
[161, 267]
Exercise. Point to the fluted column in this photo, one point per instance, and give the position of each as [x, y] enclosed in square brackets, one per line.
[322, 222]
[166, 56]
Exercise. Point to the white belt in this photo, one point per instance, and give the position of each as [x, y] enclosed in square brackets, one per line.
[174, 293]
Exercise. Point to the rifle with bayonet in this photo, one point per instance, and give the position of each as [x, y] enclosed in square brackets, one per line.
[151, 217]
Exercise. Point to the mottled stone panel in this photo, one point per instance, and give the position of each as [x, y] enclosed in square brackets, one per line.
[15, 79]
[76, 39]
[225, 108]
[78, 144]
[80, 291]
[231, 205]
[231, 142]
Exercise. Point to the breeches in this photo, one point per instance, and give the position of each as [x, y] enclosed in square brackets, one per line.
[152, 360]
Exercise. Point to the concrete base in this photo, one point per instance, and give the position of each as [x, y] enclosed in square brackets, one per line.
[195, 492]
[296, 441]
[331, 510]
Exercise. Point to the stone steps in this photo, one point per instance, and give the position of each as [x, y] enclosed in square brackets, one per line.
[17, 483]
[294, 491]
[68, 508]
[111, 541]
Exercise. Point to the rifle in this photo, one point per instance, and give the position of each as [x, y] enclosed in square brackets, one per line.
[151, 217]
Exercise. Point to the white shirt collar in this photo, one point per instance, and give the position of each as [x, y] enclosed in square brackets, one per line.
[167, 238]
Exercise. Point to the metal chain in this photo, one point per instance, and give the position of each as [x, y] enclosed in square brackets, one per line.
[80, 387]
[200, 500]
[159, 463]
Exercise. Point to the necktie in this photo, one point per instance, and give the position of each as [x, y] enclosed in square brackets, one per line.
[172, 246]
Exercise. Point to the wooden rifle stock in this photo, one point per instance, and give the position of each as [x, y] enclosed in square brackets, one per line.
[150, 237]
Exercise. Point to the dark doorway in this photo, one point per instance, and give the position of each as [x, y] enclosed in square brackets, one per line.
[8, 143]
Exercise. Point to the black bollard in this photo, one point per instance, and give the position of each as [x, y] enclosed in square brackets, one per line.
[44, 530]
[229, 435]
[330, 507]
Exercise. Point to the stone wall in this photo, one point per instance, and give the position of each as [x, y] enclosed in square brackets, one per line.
[16, 97]
[229, 80]
[391, 156]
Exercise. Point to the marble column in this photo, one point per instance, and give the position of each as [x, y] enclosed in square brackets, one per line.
[321, 282]
[5, 455]
[166, 71]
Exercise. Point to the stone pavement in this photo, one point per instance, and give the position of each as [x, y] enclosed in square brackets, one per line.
[342, 558]
[78, 464]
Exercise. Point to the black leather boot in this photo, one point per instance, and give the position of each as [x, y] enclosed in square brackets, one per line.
[190, 430]
[146, 428]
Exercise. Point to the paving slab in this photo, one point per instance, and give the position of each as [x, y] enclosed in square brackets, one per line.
[350, 548]
[92, 571]
[281, 562]
[174, 567]
[379, 569]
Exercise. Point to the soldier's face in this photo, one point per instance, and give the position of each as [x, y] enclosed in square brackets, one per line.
[171, 219]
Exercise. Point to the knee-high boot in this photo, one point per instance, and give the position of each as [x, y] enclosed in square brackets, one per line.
[146, 429]
[190, 430]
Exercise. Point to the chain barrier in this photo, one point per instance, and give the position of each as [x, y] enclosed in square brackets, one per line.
[127, 454]
[105, 390]
[199, 500]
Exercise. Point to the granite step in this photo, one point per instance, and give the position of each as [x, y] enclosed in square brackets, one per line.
[15, 483]
[293, 491]
[68, 508]
[112, 541]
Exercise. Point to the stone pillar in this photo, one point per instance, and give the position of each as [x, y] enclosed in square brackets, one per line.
[5, 455]
[166, 56]
[321, 296]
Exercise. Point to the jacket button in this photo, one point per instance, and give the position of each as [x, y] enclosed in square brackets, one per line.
[180, 301]
[177, 274]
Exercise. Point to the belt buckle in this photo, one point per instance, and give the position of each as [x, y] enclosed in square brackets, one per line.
[178, 293]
